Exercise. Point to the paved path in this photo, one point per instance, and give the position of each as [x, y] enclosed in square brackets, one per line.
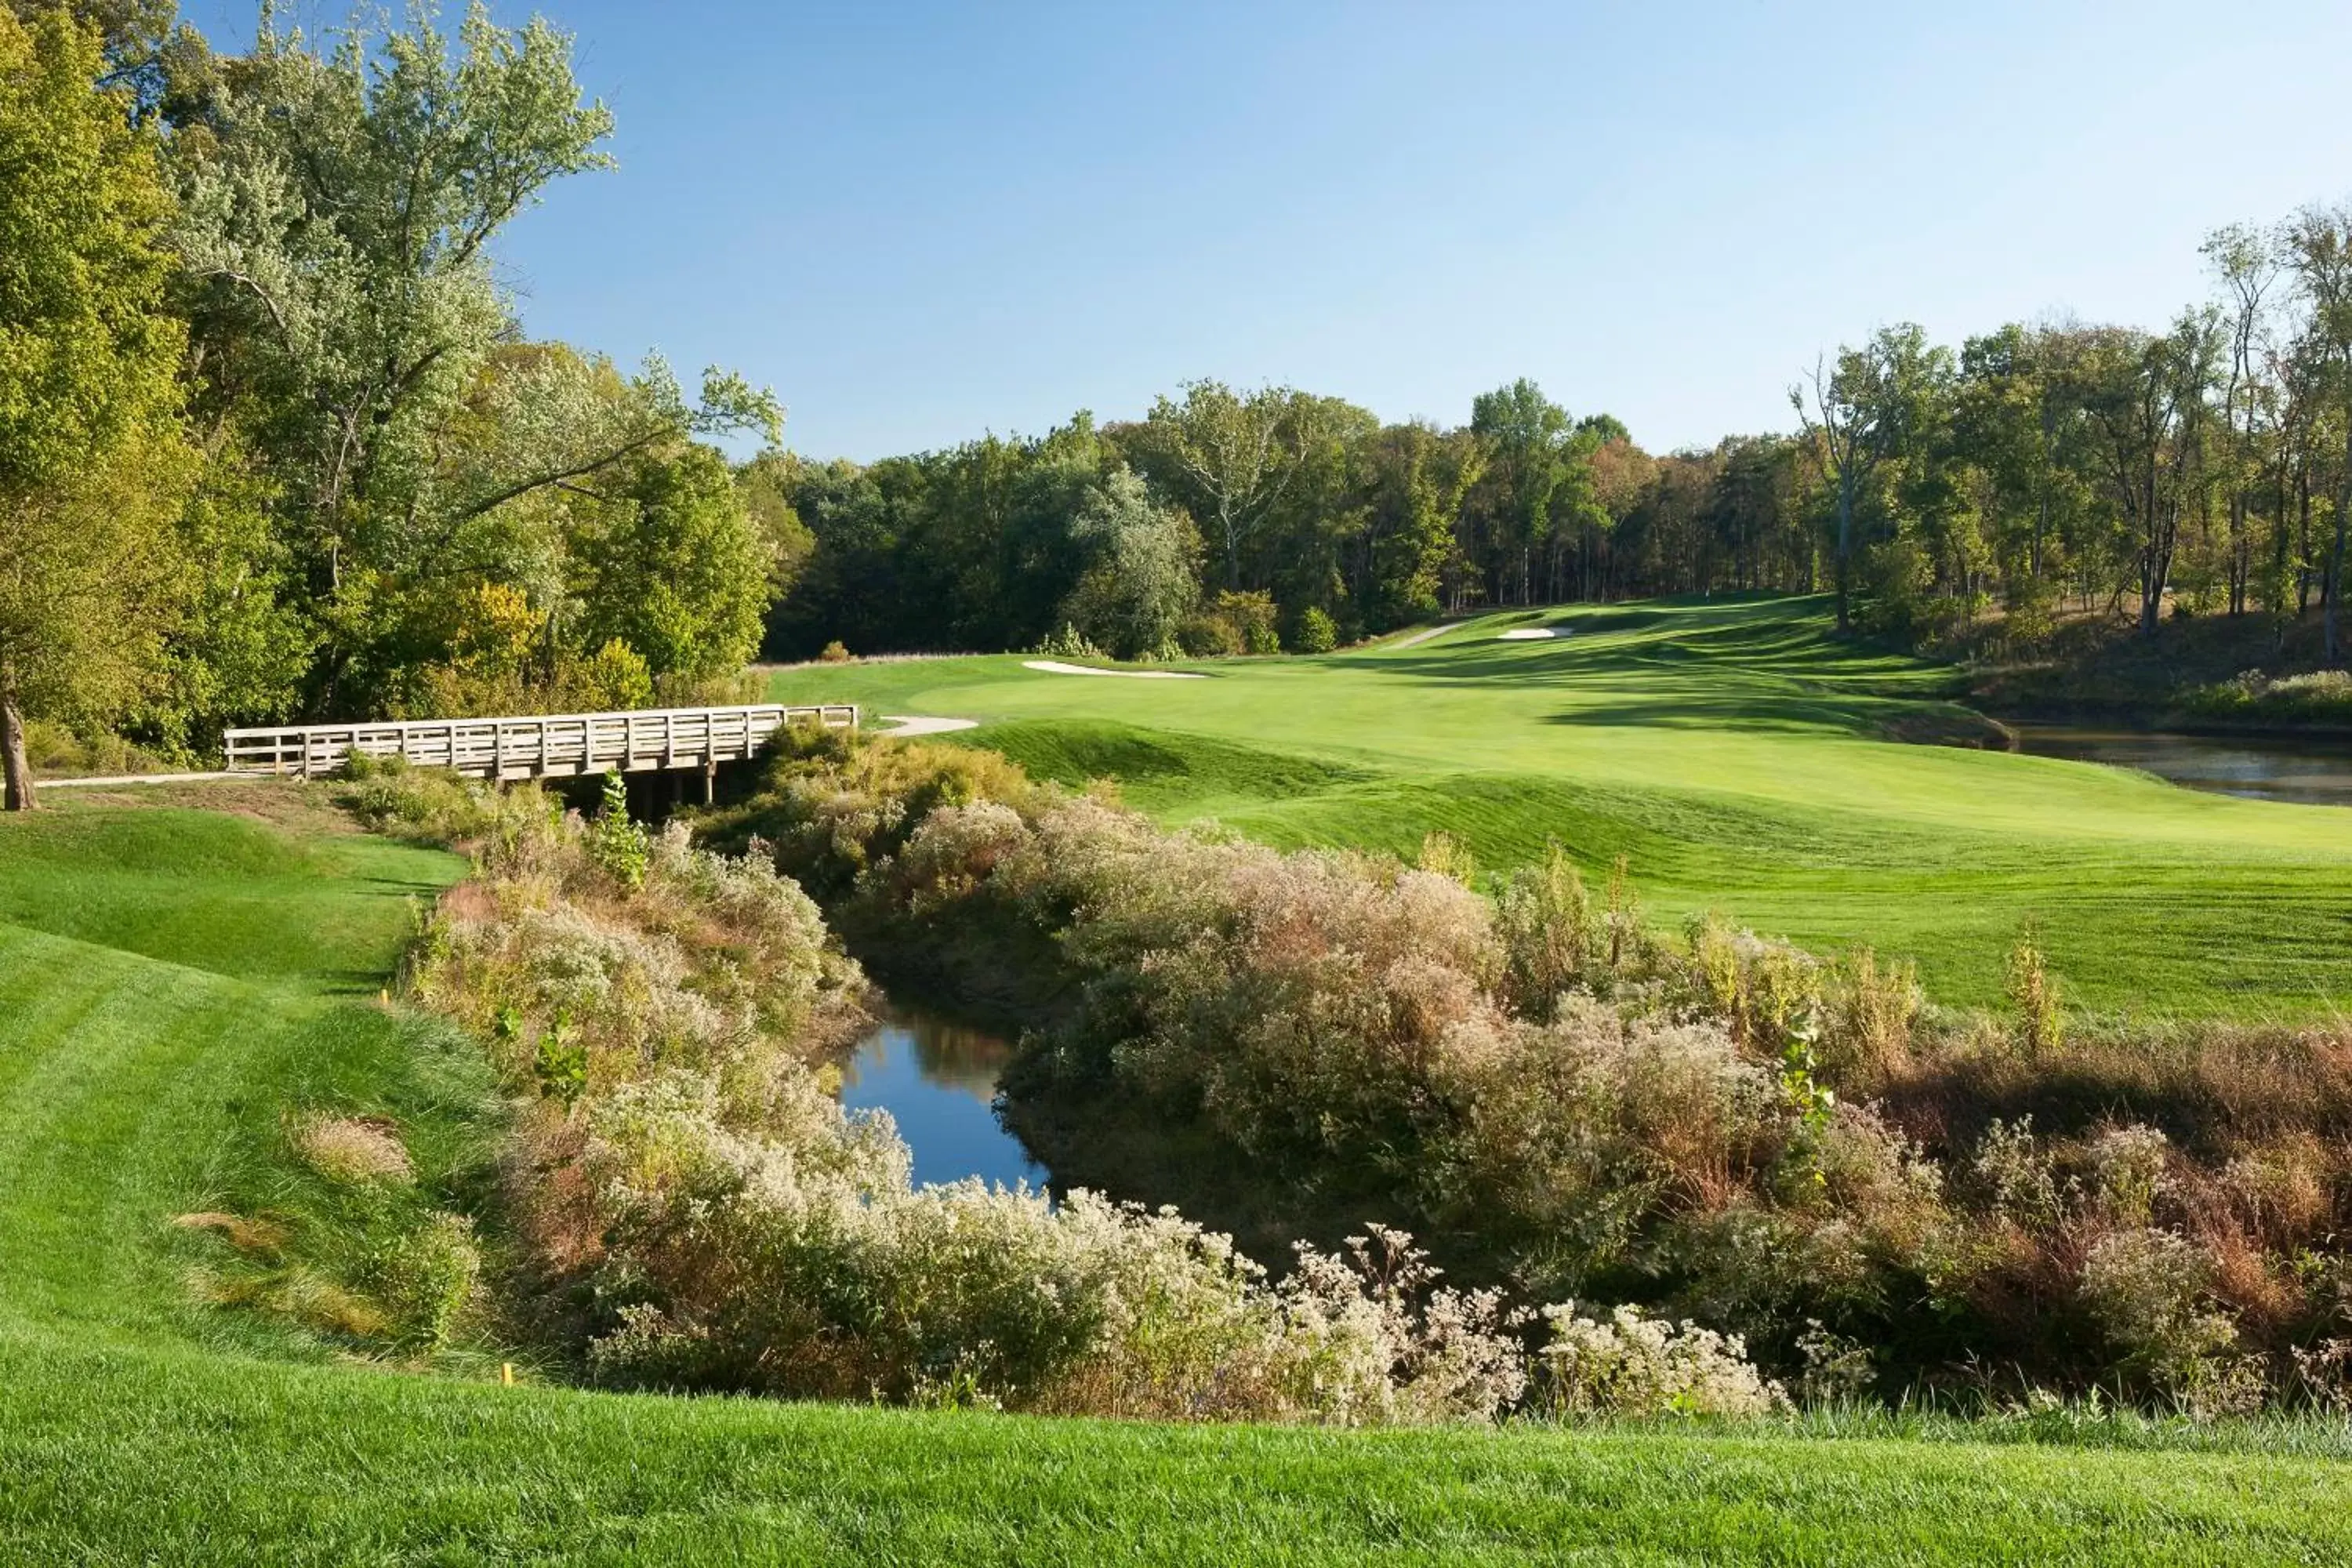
[1056, 667]
[119, 779]
[1419, 637]
[903, 724]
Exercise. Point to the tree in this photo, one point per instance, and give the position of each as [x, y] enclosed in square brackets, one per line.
[2319, 240]
[92, 457]
[1139, 584]
[1526, 435]
[1418, 476]
[338, 215]
[670, 564]
[1238, 452]
[1863, 414]
[132, 36]
[2246, 262]
[2146, 396]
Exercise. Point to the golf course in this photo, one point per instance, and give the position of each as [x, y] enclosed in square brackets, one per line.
[175, 979]
[1740, 758]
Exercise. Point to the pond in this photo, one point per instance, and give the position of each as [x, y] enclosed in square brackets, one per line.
[2307, 772]
[937, 1080]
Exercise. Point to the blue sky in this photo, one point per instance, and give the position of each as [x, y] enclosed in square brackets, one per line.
[920, 222]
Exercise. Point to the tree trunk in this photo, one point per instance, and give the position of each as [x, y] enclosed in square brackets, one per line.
[2331, 640]
[19, 792]
[2302, 543]
[1845, 550]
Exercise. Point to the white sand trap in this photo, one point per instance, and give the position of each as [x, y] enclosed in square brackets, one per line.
[1527, 634]
[1056, 667]
[916, 725]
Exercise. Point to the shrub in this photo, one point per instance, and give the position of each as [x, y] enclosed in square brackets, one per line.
[686, 1164]
[2017, 1174]
[2320, 696]
[833, 653]
[2148, 1291]
[800, 1262]
[2128, 1169]
[615, 677]
[2033, 991]
[1317, 633]
[1443, 855]
[439, 806]
[1208, 637]
[53, 751]
[1231, 623]
[425, 1279]
[1067, 643]
[618, 846]
[1630, 1364]
[1554, 940]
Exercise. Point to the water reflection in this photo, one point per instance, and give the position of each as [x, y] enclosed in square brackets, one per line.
[2308, 772]
[937, 1080]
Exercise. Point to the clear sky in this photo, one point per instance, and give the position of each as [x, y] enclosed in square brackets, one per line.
[919, 221]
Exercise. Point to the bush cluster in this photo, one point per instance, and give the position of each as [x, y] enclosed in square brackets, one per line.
[2322, 697]
[1766, 1144]
[706, 1215]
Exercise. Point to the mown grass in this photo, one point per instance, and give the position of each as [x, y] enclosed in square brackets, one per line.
[1741, 757]
[141, 1080]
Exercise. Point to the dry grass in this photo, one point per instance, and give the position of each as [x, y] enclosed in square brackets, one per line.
[250, 1237]
[354, 1149]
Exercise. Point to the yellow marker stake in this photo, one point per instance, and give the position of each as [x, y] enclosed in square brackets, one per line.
[506, 1372]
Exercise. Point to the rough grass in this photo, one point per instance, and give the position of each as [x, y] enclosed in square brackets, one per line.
[1738, 756]
[146, 1054]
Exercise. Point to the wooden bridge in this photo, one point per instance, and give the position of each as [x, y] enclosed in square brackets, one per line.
[554, 746]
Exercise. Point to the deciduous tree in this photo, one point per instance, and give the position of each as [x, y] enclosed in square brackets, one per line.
[93, 462]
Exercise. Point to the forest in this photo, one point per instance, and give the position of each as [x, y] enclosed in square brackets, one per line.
[278, 447]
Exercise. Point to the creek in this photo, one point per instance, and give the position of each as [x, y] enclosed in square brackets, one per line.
[937, 1081]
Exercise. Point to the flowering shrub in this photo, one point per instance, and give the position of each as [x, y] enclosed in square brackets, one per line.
[1630, 1364]
[2150, 1291]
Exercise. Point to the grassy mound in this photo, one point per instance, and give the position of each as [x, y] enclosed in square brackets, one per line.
[149, 1048]
[1739, 755]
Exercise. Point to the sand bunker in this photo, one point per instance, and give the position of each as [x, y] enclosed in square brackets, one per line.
[1527, 634]
[1056, 667]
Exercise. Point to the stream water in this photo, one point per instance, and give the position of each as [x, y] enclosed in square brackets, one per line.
[2307, 772]
[937, 1080]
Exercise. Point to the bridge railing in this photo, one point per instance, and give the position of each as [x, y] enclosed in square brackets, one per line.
[535, 746]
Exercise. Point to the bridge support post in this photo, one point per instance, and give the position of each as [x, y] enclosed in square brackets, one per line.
[709, 781]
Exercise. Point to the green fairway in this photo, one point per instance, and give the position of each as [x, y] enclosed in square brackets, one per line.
[168, 989]
[1741, 759]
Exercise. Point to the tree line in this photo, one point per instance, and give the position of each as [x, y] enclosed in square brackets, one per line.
[275, 446]
[2205, 468]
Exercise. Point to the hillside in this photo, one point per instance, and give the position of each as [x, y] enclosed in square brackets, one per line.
[1740, 758]
[173, 980]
